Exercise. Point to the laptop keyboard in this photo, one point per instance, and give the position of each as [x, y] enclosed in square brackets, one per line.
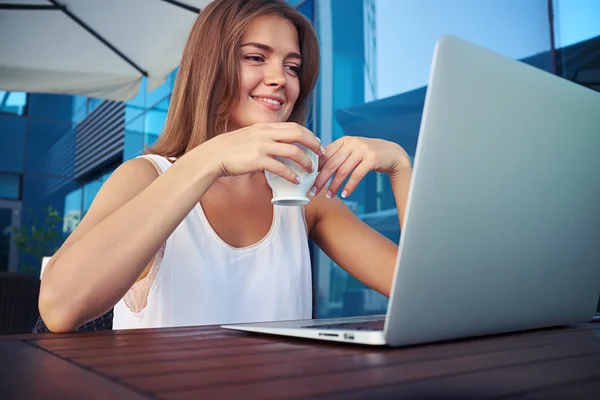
[376, 325]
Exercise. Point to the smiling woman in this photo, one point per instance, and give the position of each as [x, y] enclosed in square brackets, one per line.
[261, 62]
[186, 234]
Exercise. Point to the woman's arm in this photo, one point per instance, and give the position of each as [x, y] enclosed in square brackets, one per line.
[349, 242]
[400, 182]
[356, 247]
[131, 217]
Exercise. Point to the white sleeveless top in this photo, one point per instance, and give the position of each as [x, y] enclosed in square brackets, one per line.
[198, 279]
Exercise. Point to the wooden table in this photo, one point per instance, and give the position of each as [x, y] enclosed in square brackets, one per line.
[212, 363]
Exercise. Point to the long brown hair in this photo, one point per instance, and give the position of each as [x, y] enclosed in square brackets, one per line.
[208, 84]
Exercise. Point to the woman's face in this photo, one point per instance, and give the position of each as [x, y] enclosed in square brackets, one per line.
[269, 65]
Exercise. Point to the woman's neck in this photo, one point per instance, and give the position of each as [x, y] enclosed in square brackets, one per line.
[252, 180]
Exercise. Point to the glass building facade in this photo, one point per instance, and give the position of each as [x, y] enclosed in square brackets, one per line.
[376, 61]
[56, 151]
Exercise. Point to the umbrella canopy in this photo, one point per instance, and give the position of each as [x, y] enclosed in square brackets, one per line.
[93, 48]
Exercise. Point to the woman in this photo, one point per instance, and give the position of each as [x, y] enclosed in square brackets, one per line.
[186, 234]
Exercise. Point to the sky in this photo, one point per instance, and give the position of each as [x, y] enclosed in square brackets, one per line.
[576, 20]
[408, 29]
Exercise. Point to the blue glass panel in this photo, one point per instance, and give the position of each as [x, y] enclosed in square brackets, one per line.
[155, 122]
[134, 137]
[575, 21]
[73, 210]
[13, 133]
[577, 38]
[92, 104]
[79, 108]
[10, 185]
[13, 102]
[54, 107]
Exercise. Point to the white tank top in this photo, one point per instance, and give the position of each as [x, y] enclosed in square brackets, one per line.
[198, 279]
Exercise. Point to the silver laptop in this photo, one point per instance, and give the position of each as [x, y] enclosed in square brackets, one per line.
[502, 229]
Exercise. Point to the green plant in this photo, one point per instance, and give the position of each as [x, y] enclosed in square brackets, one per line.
[38, 239]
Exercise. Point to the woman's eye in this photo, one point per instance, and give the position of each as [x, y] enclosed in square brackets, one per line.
[255, 58]
[294, 68]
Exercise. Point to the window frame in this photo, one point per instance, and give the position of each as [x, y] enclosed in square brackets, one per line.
[25, 107]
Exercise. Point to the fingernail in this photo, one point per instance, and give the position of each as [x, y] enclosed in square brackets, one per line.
[322, 150]
[329, 195]
[313, 191]
[345, 194]
[298, 179]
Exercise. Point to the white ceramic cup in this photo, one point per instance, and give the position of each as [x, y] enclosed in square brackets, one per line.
[286, 193]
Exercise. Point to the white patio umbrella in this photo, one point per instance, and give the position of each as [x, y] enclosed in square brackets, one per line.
[95, 48]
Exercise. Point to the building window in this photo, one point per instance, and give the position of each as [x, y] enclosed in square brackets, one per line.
[13, 102]
[72, 213]
[577, 41]
[10, 185]
[78, 202]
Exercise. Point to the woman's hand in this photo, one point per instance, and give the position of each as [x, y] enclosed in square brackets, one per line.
[355, 157]
[253, 149]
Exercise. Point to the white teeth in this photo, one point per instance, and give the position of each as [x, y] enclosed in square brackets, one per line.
[270, 101]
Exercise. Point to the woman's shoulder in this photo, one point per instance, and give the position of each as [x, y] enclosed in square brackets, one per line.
[143, 168]
[131, 176]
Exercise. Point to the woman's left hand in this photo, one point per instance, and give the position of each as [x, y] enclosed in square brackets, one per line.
[355, 157]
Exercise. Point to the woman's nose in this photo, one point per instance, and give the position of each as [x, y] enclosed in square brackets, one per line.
[275, 77]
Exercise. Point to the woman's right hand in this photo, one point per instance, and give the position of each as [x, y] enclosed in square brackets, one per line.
[253, 148]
